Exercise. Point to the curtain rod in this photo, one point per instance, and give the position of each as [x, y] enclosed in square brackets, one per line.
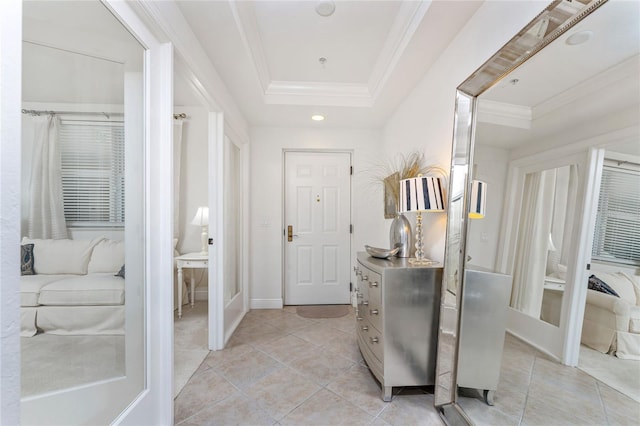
[108, 115]
[39, 112]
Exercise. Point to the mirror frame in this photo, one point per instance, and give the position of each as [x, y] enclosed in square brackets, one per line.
[561, 16]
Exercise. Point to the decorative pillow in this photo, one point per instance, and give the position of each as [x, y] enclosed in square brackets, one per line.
[26, 260]
[597, 284]
[63, 256]
[616, 280]
[107, 256]
[120, 272]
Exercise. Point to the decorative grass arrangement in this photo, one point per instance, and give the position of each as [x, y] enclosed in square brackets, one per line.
[402, 167]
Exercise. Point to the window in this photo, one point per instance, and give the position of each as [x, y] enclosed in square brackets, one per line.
[617, 233]
[92, 157]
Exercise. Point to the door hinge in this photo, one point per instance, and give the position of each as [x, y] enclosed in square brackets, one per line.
[588, 266]
[351, 229]
[210, 241]
[350, 170]
[350, 287]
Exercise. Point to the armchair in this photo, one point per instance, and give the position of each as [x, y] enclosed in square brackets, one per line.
[612, 324]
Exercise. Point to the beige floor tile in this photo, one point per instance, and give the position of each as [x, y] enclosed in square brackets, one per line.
[345, 345]
[282, 391]
[359, 387]
[202, 390]
[290, 323]
[218, 358]
[317, 334]
[321, 366]
[484, 415]
[550, 407]
[327, 408]
[416, 409]
[236, 409]
[285, 348]
[248, 368]
[619, 409]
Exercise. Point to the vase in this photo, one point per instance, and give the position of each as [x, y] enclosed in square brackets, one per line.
[400, 235]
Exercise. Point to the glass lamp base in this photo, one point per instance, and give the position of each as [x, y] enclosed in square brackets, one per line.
[421, 262]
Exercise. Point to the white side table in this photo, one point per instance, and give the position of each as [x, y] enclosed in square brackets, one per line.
[189, 261]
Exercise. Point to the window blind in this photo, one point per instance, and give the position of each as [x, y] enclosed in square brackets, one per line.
[617, 233]
[92, 160]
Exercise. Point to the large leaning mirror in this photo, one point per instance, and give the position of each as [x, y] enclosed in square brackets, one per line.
[82, 283]
[529, 232]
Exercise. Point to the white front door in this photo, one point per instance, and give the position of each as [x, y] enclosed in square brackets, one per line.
[317, 227]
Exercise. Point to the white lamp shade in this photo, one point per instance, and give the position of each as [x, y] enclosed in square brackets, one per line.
[478, 202]
[202, 217]
[421, 194]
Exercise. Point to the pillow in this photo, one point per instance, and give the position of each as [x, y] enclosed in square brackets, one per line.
[120, 272]
[61, 256]
[617, 281]
[597, 284]
[636, 285]
[107, 256]
[26, 260]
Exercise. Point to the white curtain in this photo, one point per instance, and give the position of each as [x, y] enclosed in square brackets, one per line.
[46, 203]
[177, 156]
[533, 242]
[563, 218]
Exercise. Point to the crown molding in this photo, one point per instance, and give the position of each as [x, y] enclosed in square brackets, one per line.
[316, 93]
[404, 26]
[504, 114]
[166, 20]
[245, 19]
[625, 72]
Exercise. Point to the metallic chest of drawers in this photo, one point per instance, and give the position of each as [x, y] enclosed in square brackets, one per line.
[397, 320]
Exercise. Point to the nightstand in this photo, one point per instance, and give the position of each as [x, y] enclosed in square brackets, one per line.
[189, 261]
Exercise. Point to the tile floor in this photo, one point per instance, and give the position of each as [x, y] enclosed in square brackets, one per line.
[279, 368]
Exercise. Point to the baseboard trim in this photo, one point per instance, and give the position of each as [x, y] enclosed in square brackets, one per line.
[266, 304]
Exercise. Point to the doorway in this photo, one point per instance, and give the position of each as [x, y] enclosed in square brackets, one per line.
[317, 218]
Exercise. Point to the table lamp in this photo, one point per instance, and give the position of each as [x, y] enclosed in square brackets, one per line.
[202, 219]
[478, 202]
[421, 194]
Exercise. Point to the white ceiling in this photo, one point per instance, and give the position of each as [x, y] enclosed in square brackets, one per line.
[268, 54]
[561, 74]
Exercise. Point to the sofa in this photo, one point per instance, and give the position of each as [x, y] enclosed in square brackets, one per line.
[72, 287]
[612, 323]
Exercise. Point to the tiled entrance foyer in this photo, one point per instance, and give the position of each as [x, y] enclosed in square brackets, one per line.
[279, 368]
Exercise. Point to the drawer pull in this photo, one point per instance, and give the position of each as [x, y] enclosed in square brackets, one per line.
[373, 339]
[359, 318]
[364, 328]
[373, 284]
[365, 278]
[373, 311]
[365, 302]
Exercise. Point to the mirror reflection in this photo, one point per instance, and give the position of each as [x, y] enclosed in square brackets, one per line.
[548, 204]
[545, 134]
[82, 207]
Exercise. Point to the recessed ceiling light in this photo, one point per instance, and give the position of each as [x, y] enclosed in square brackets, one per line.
[325, 8]
[317, 117]
[579, 38]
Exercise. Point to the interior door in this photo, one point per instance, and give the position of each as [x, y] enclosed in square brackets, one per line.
[545, 252]
[317, 227]
[233, 238]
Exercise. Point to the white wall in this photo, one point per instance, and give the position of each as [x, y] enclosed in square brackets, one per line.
[491, 166]
[425, 119]
[266, 211]
[194, 183]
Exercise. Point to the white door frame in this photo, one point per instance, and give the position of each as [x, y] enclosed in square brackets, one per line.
[283, 218]
[153, 404]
